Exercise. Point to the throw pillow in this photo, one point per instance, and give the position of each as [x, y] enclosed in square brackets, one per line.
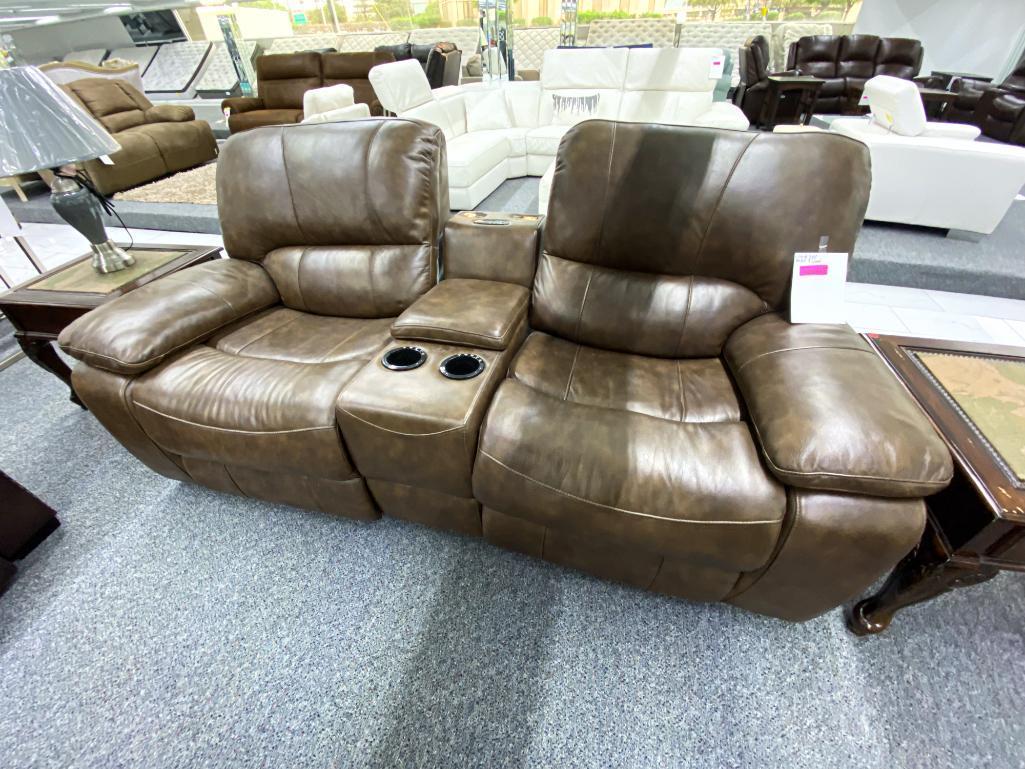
[488, 113]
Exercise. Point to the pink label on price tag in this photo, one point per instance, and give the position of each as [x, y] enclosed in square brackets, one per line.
[813, 269]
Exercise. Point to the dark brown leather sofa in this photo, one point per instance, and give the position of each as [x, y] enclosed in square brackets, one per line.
[440, 61]
[283, 78]
[155, 140]
[997, 108]
[846, 62]
[644, 412]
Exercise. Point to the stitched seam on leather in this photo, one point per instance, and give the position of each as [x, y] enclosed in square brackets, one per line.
[799, 349]
[139, 366]
[572, 369]
[686, 316]
[620, 509]
[288, 322]
[583, 301]
[657, 572]
[299, 277]
[128, 407]
[399, 432]
[781, 543]
[342, 343]
[718, 202]
[288, 183]
[683, 398]
[366, 183]
[544, 541]
[370, 277]
[231, 478]
[825, 475]
[406, 328]
[604, 201]
[232, 429]
[215, 294]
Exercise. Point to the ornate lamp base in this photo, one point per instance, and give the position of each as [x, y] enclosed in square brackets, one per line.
[110, 257]
[78, 207]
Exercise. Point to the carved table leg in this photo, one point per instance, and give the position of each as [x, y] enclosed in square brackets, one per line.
[43, 354]
[925, 572]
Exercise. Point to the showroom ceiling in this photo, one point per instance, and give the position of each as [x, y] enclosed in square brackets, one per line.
[22, 13]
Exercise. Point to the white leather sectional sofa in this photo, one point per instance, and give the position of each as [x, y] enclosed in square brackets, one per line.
[496, 133]
[931, 174]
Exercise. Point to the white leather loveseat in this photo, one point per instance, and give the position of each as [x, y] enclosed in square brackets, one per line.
[500, 132]
[931, 174]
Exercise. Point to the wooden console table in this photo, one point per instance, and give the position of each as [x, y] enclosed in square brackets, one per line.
[975, 395]
[807, 89]
[42, 307]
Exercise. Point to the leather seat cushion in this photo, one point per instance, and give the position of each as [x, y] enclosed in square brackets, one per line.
[695, 491]
[242, 121]
[684, 390]
[517, 138]
[472, 155]
[545, 139]
[281, 333]
[182, 145]
[230, 404]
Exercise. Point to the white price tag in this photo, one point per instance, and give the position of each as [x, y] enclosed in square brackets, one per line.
[863, 101]
[105, 159]
[718, 65]
[817, 288]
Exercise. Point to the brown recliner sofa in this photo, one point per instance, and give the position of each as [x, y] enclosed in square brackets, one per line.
[283, 78]
[227, 373]
[662, 424]
[847, 62]
[155, 140]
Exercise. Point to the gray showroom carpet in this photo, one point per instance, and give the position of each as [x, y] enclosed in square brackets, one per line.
[164, 625]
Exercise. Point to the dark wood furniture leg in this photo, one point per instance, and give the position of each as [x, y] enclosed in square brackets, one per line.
[770, 106]
[43, 354]
[926, 572]
[25, 521]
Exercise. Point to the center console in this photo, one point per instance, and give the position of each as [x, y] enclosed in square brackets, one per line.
[411, 417]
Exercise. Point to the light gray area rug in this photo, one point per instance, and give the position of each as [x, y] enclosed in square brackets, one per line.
[164, 625]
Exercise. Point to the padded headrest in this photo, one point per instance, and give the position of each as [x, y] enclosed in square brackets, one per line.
[584, 68]
[670, 69]
[286, 66]
[896, 105]
[684, 200]
[364, 182]
[400, 85]
[352, 66]
[319, 100]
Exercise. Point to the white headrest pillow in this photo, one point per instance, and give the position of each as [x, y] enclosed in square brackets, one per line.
[400, 85]
[896, 105]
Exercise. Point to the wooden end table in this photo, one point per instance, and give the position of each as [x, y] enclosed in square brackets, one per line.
[975, 396]
[42, 307]
[935, 99]
[807, 88]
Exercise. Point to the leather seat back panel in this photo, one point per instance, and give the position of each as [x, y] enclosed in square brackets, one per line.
[662, 315]
[666, 200]
[352, 281]
[366, 184]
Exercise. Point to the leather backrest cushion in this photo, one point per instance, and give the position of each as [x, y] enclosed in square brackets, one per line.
[283, 78]
[817, 55]
[686, 202]
[857, 57]
[761, 53]
[340, 67]
[385, 187]
[421, 52]
[899, 57]
[399, 51]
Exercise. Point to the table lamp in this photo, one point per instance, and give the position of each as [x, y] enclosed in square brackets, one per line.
[41, 128]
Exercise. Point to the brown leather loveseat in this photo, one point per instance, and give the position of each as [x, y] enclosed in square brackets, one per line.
[283, 78]
[847, 62]
[642, 409]
[155, 140]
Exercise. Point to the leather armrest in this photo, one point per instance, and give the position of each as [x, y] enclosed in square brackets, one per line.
[242, 104]
[137, 331]
[169, 113]
[830, 415]
[506, 252]
[476, 313]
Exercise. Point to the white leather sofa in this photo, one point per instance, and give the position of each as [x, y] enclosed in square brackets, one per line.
[931, 174]
[500, 132]
[332, 104]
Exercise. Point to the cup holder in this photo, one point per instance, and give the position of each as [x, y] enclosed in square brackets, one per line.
[462, 366]
[404, 358]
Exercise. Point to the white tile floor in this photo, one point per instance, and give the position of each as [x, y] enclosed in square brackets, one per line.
[884, 309]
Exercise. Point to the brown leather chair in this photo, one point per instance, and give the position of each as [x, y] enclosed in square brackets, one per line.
[846, 62]
[663, 424]
[227, 373]
[155, 140]
[440, 61]
[975, 98]
[754, 81]
[283, 79]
